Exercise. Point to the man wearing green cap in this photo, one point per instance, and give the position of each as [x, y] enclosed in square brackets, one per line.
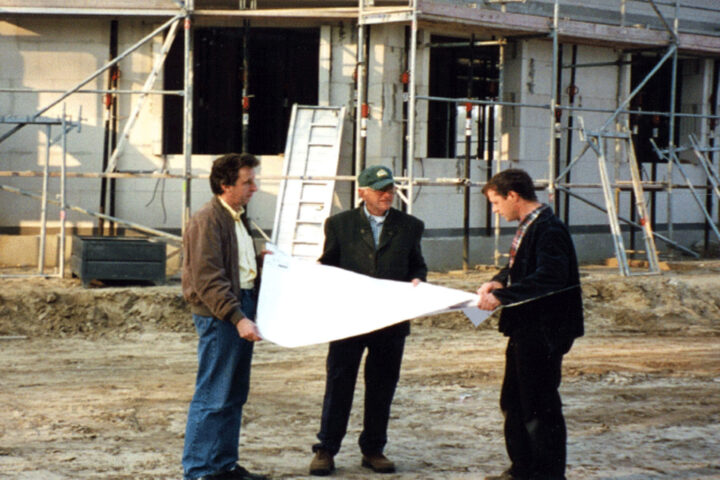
[382, 242]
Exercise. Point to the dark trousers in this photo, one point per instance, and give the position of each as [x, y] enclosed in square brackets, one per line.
[535, 433]
[382, 371]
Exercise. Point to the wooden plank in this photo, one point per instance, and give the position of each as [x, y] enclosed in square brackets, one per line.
[348, 13]
[491, 19]
[91, 4]
[379, 15]
[392, 17]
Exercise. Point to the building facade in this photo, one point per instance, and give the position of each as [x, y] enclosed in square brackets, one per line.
[444, 92]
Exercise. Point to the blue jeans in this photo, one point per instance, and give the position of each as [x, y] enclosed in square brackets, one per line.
[223, 379]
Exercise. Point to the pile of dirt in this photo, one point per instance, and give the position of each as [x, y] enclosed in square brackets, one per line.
[686, 299]
[687, 303]
[61, 308]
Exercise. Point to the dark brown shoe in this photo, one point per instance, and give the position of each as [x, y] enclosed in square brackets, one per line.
[379, 463]
[506, 475]
[322, 464]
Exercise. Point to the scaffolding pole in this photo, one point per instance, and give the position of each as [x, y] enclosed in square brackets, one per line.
[553, 103]
[412, 93]
[468, 143]
[361, 106]
[671, 123]
[187, 113]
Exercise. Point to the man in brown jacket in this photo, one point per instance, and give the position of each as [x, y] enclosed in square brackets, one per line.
[219, 282]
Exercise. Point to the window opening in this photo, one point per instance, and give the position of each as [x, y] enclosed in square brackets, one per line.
[449, 76]
[283, 70]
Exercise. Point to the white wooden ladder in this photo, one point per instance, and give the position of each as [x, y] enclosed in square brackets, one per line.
[305, 195]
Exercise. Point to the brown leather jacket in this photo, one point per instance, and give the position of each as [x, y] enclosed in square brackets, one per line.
[210, 277]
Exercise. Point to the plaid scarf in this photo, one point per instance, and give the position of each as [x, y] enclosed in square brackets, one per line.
[522, 228]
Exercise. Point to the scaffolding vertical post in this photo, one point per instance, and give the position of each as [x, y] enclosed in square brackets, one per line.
[63, 164]
[468, 141]
[572, 91]
[671, 123]
[188, 114]
[110, 133]
[411, 106]
[498, 161]
[361, 109]
[44, 202]
[113, 126]
[553, 105]
[245, 90]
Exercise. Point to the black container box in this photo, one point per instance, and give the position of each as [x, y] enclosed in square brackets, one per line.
[126, 259]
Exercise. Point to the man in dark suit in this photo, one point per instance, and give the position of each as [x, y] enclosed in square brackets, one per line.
[543, 314]
[382, 242]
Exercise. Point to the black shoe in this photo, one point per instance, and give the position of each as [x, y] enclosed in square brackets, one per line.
[237, 473]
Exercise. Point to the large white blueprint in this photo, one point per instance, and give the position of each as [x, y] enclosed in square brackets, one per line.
[304, 303]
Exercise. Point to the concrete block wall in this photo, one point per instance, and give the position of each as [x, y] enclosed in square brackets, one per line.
[384, 67]
[342, 40]
[52, 53]
[43, 54]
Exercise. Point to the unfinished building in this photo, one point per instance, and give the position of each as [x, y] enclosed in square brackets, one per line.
[110, 116]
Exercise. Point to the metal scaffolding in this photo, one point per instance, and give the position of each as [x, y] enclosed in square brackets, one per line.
[419, 10]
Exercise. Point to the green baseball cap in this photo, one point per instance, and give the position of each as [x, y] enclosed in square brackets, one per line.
[376, 177]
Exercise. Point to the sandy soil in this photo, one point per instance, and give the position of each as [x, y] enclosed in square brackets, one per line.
[95, 384]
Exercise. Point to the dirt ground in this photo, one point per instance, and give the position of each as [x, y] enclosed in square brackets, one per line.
[95, 384]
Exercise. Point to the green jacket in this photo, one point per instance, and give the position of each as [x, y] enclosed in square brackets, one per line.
[349, 245]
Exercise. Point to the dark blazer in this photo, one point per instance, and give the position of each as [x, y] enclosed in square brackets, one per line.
[544, 263]
[349, 245]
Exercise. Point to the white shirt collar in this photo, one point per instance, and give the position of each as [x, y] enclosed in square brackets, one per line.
[235, 214]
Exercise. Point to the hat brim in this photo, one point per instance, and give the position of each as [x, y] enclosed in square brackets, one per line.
[380, 184]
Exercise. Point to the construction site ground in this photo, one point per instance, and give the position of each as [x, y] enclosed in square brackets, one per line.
[95, 384]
